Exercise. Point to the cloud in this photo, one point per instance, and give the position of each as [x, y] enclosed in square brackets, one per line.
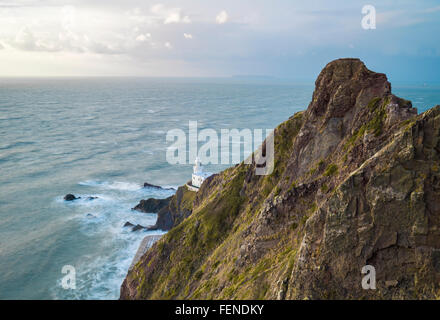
[143, 37]
[169, 15]
[218, 41]
[24, 39]
[27, 41]
[222, 17]
[136, 16]
[65, 41]
[103, 48]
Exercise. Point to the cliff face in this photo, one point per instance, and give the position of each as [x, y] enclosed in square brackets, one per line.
[356, 182]
[170, 211]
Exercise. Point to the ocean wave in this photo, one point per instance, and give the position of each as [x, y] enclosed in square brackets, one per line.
[175, 187]
[16, 144]
[100, 276]
[116, 185]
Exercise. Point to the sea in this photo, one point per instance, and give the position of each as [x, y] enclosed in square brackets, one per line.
[105, 137]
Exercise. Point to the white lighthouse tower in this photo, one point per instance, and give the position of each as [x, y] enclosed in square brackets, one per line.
[199, 175]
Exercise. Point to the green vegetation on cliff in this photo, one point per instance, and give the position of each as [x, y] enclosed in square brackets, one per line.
[356, 182]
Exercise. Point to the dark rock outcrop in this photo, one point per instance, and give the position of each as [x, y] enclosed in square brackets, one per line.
[128, 224]
[178, 208]
[356, 182]
[152, 205]
[148, 185]
[133, 227]
[138, 227]
[70, 197]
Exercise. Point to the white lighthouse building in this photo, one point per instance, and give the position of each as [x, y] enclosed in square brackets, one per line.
[199, 175]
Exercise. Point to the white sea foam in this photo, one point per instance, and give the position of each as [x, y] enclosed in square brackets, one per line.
[100, 273]
[115, 185]
[175, 187]
[100, 277]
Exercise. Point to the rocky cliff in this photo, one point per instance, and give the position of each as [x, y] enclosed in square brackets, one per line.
[152, 205]
[356, 182]
[170, 211]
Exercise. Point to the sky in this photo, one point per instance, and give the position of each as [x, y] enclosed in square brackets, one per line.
[205, 38]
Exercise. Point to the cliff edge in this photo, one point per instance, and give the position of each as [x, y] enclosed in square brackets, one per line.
[356, 182]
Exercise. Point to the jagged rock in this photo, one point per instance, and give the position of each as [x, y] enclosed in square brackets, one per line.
[128, 224]
[134, 227]
[356, 182]
[177, 209]
[148, 185]
[70, 197]
[152, 205]
[138, 227]
[170, 211]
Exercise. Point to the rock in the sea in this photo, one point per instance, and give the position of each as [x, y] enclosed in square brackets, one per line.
[133, 227]
[152, 205]
[148, 185]
[70, 197]
[138, 227]
[128, 224]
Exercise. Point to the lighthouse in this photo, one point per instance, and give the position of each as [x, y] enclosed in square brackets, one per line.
[199, 175]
